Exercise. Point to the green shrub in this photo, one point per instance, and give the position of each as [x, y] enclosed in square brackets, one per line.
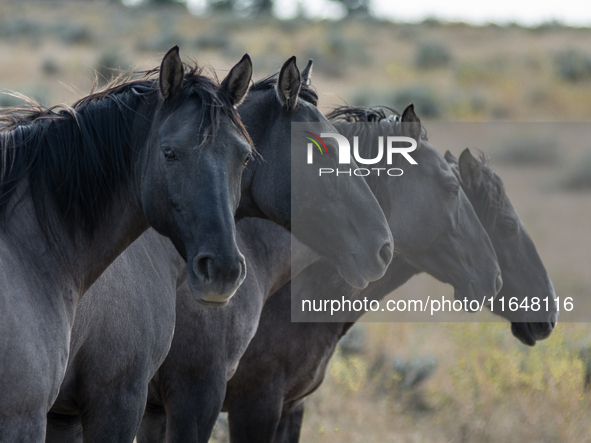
[74, 34]
[216, 41]
[20, 27]
[527, 150]
[427, 103]
[576, 176]
[50, 67]
[38, 93]
[432, 55]
[109, 65]
[162, 42]
[573, 66]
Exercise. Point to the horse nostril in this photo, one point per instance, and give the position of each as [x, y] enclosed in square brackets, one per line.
[242, 271]
[202, 268]
[498, 283]
[386, 253]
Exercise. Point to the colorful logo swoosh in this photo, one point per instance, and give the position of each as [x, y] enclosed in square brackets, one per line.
[313, 140]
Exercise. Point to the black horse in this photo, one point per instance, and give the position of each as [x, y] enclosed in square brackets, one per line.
[285, 361]
[78, 185]
[360, 242]
[104, 391]
[188, 390]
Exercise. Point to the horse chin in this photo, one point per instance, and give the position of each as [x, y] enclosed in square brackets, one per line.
[523, 333]
[209, 298]
[465, 293]
[349, 271]
[210, 304]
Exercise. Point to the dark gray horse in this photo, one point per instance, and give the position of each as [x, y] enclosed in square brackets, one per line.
[273, 104]
[77, 186]
[523, 272]
[104, 391]
[187, 392]
[124, 326]
[287, 361]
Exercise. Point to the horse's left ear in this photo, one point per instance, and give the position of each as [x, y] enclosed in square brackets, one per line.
[237, 81]
[289, 83]
[411, 124]
[470, 169]
[450, 158]
[307, 73]
[171, 74]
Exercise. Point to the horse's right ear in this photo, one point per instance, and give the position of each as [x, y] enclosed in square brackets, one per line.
[289, 83]
[237, 81]
[307, 72]
[450, 158]
[470, 170]
[171, 74]
[411, 124]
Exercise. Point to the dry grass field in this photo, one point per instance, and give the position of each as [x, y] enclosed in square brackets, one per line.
[486, 386]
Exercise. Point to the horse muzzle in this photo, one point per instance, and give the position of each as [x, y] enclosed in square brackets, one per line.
[214, 280]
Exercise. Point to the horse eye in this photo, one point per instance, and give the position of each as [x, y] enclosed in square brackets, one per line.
[509, 225]
[248, 158]
[169, 154]
[452, 189]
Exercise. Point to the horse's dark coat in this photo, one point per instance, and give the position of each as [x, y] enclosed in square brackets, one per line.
[77, 187]
[92, 394]
[286, 361]
[186, 392]
[272, 106]
[124, 328]
[523, 273]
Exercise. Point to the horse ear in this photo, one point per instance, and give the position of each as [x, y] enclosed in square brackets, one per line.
[237, 81]
[469, 169]
[289, 83]
[171, 74]
[450, 158]
[307, 72]
[411, 124]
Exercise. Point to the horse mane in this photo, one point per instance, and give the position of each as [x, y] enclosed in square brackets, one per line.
[384, 121]
[80, 155]
[364, 114]
[491, 194]
[307, 93]
[369, 114]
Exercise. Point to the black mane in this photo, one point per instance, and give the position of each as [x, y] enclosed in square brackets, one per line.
[384, 121]
[77, 157]
[369, 114]
[491, 193]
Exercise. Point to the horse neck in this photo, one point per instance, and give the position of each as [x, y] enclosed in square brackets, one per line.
[295, 258]
[272, 253]
[398, 273]
[111, 239]
[72, 259]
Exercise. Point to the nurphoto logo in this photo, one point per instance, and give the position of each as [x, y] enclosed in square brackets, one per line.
[394, 145]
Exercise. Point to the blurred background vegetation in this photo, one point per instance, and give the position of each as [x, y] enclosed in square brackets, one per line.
[405, 382]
